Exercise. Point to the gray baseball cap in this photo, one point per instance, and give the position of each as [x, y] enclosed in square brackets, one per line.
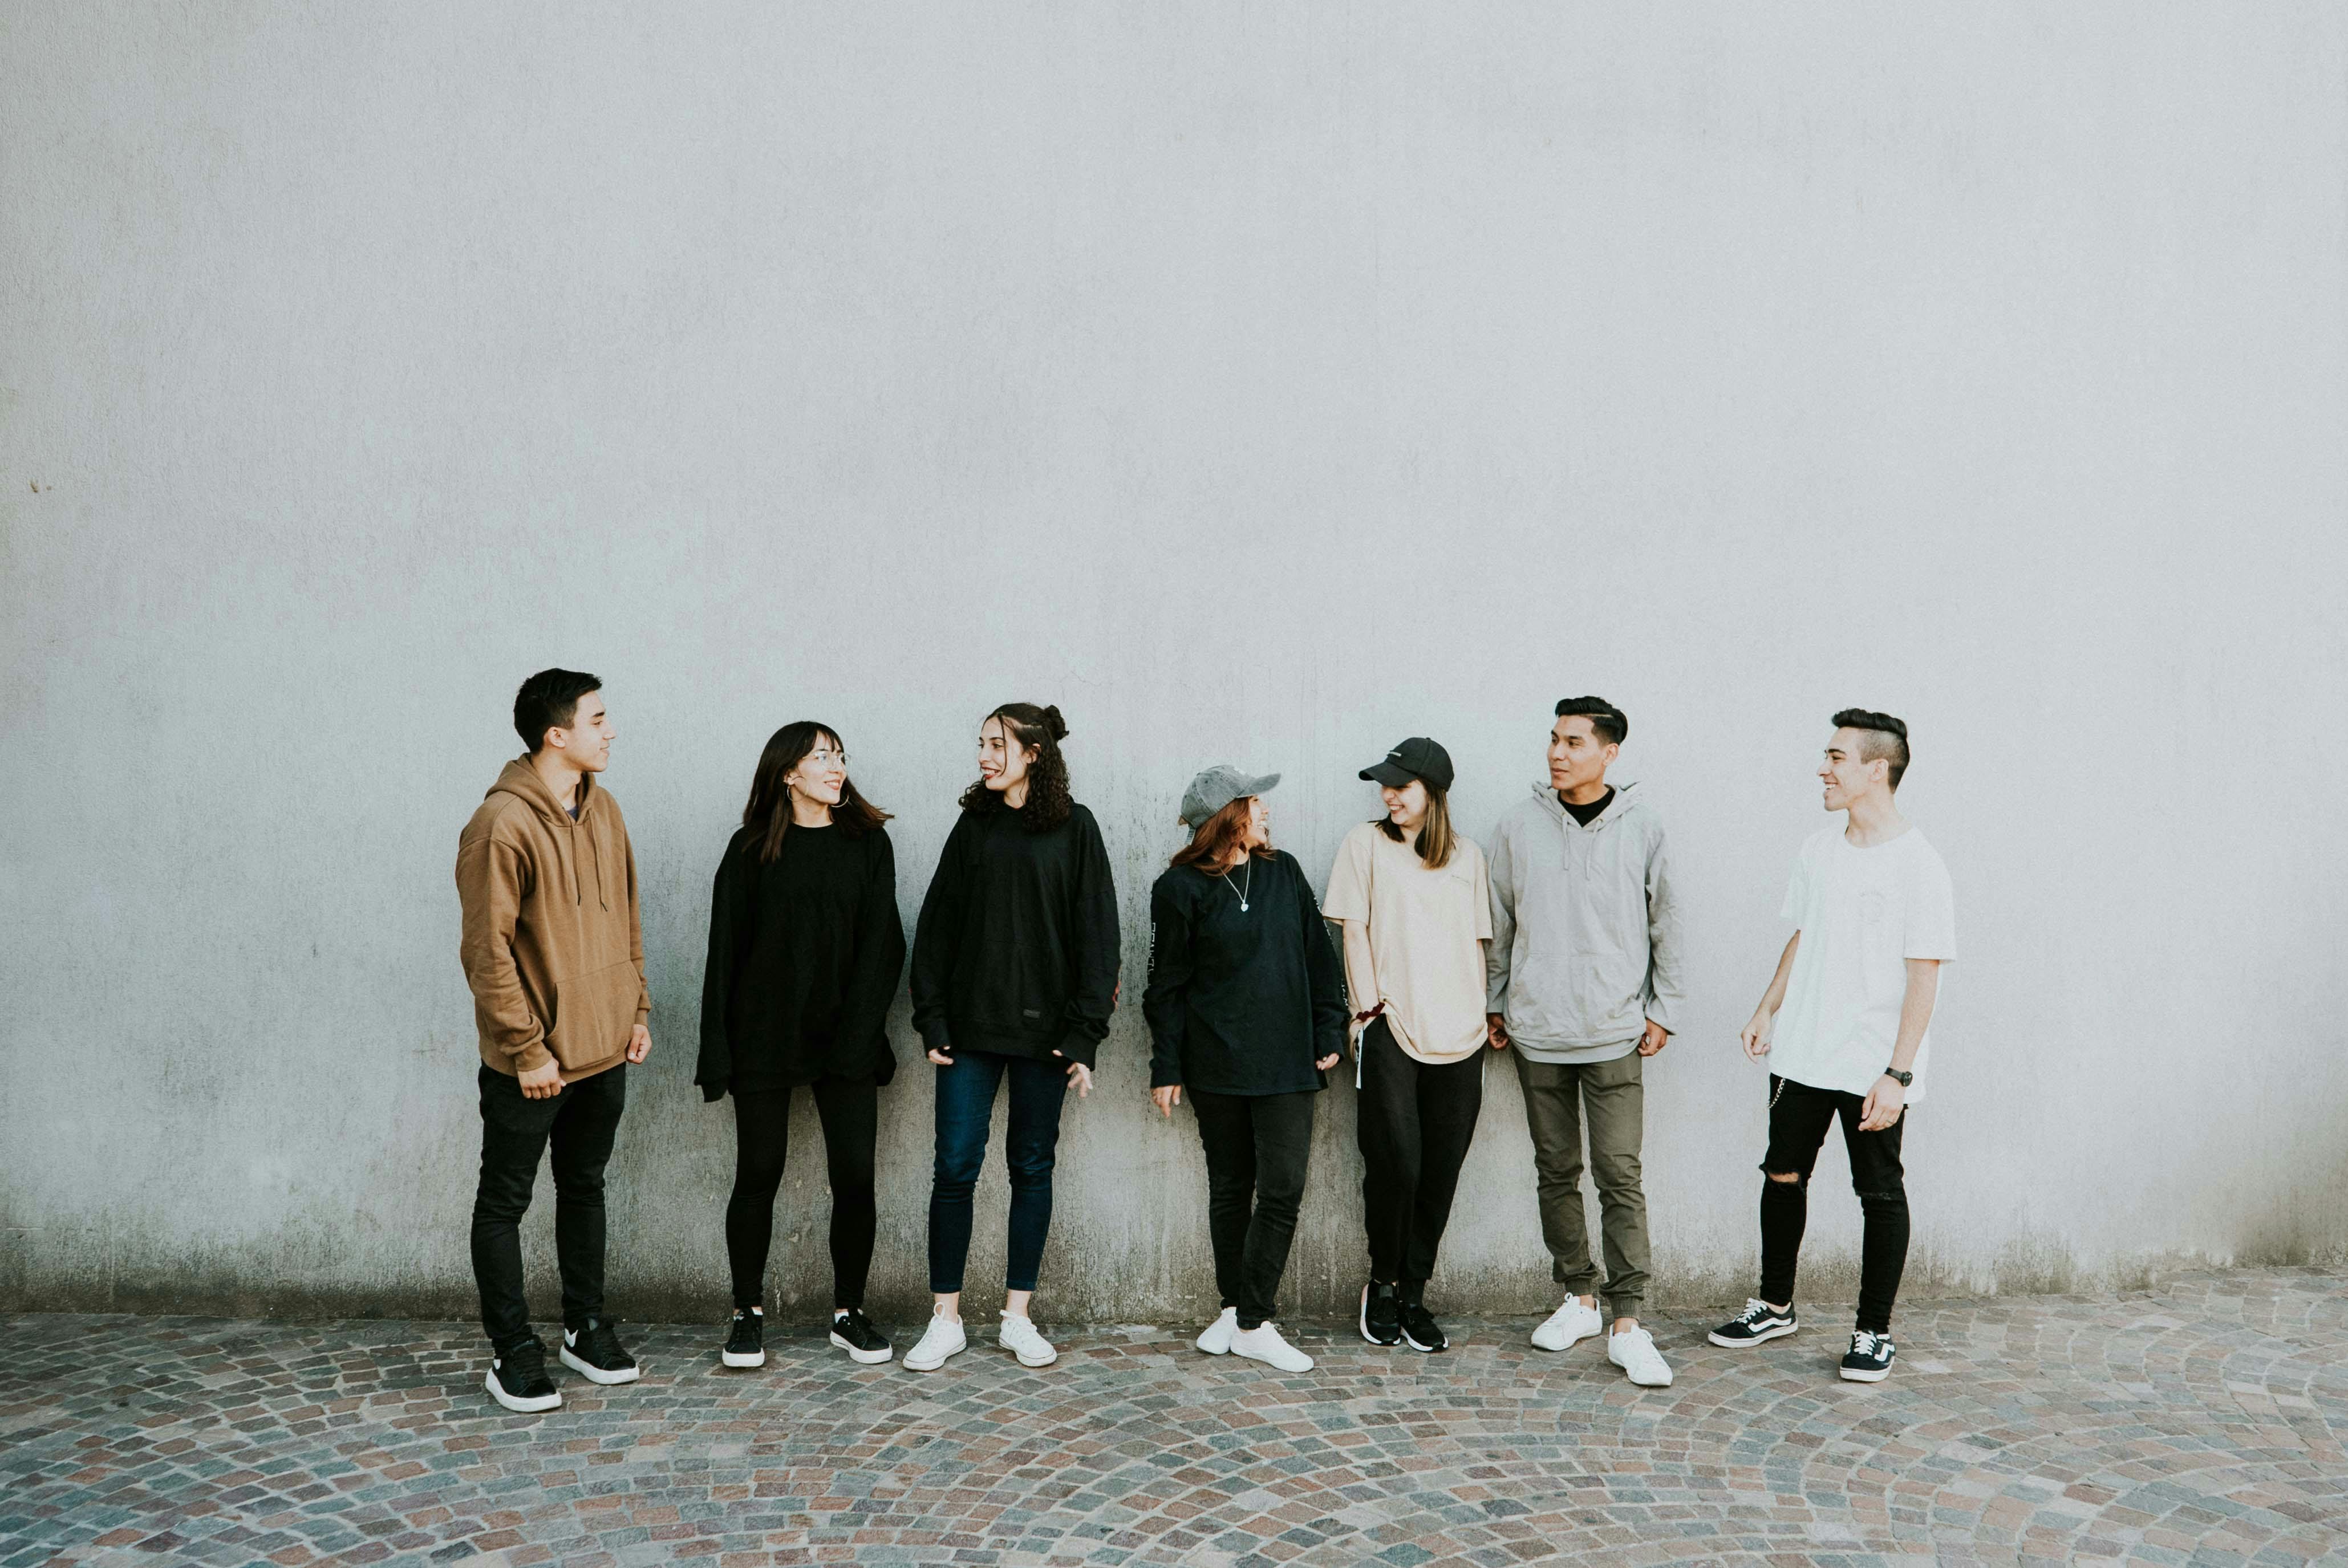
[1216, 788]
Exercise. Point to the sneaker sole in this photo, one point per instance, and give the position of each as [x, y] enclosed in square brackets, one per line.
[867, 1357]
[595, 1374]
[914, 1366]
[1372, 1338]
[1854, 1374]
[1761, 1338]
[743, 1357]
[1206, 1349]
[1425, 1349]
[519, 1405]
[1268, 1361]
[1568, 1344]
[1022, 1355]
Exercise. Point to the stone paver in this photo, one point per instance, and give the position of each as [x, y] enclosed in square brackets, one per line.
[2201, 1424]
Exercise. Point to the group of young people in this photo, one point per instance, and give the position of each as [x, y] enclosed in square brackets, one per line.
[1562, 947]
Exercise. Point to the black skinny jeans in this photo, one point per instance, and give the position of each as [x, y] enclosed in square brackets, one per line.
[1799, 1116]
[1258, 1146]
[1415, 1124]
[851, 1114]
[580, 1123]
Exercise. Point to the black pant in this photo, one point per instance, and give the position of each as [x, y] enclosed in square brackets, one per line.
[579, 1122]
[851, 1112]
[1415, 1124]
[1257, 1149]
[1799, 1116]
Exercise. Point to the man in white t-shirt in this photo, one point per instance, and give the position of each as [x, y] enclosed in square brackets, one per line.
[1843, 1028]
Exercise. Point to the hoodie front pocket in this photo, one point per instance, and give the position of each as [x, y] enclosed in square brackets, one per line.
[594, 1015]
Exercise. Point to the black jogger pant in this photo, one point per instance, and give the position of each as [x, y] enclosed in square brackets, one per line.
[1257, 1147]
[851, 1114]
[1415, 1124]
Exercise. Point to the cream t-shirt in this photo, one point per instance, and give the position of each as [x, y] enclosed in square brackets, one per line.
[1426, 927]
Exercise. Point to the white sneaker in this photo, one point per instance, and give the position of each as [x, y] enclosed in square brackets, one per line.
[1568, 1325]
[1637, 1354]
[1217, 1339]
[1262, 1343]
[942, 1338]
[1018, 1336]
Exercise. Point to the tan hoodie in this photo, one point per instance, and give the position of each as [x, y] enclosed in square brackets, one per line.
[552, 948]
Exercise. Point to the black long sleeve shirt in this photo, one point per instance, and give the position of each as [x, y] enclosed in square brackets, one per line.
[804, 956]
[1017, 949]
[1242, 1001]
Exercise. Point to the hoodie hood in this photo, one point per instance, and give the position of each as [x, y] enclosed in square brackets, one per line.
[1626, 800]
[520, 781]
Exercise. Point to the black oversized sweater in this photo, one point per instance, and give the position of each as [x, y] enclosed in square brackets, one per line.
[804, 956]
[1015, 952]
[1242, 1000]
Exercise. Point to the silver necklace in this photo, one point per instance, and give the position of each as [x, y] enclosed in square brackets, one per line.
[1243, 898]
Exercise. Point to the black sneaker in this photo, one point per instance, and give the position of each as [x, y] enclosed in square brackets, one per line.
[596, 1354]
[1381, 1314]
[746, 1343]
[1420, 1331]
[518, 1379]
[853, 1332]
[1759, 1321]
[1869, 1359]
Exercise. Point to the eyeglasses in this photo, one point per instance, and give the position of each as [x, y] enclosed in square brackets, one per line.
[821, 758]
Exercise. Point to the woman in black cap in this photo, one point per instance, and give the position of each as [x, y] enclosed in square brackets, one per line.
[1247, 1011]
[1415, 901]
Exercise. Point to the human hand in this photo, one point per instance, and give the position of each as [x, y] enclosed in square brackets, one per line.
[1655, 1038]
[1330, 1060]
[1081, 1077]
[940, 1057]
[542, 1083]
[1167, 1097]
[1884, 1103]
[1496, 1031]
[1755, 1038]
[640, 1043]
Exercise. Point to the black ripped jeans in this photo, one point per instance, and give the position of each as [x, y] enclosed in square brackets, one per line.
[1799, 1116]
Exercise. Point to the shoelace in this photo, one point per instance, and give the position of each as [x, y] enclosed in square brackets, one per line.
[1863, 1343]
[1755, 1309]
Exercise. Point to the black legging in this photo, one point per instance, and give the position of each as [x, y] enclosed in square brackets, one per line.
[851, 1112]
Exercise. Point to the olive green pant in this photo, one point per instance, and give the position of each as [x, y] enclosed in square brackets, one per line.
[1614, 1096]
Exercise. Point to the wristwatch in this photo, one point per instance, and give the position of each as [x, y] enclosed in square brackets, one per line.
[1902, 1079]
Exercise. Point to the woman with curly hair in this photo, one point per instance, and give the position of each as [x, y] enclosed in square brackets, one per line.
[1014, 974]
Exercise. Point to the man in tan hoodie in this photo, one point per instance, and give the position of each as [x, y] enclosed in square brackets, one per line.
[555, 957]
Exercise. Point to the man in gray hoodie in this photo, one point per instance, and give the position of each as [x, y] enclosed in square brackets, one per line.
[1583, 979]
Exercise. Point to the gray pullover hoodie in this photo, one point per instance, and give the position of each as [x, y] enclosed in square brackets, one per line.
[1585, 934]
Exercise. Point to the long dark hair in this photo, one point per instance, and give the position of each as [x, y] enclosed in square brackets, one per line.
[768, 815]
[1040, 730]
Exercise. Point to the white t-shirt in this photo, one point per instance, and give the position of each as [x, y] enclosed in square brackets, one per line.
[1428, 929]
[1862, 914]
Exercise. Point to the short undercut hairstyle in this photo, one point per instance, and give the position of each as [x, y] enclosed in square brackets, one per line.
[550, 701]
[1880, 735]
[1606, 720]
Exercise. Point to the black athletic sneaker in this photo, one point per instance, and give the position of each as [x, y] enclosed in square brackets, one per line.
[1869, 1359]
[1759, 1321]
[853, 1332]
[1420, 1331]
[518, 1379]
[596, 1354]
[746, 1343]
[1381, 1314]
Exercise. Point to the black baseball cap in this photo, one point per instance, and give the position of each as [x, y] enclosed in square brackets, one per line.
[1415, 758]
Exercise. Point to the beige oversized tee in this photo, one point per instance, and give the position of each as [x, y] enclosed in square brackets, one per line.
[1425, 932]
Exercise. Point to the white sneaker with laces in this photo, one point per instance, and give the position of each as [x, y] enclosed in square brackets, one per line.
[1637, 1354]
[1568, 1324]
[1262, 1343]
[1018, 1336]
[942, 1338]
[1217, 1339]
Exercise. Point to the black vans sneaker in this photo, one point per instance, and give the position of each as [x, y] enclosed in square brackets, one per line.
[1381, 1314]
[518, 1379]
[596, 1354]
[1757, 1322]
[1420, 1331]
[746, 1343]
[853, 1332]
[1869, 1359]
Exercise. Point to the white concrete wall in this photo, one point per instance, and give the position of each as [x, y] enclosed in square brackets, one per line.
[1256, 383]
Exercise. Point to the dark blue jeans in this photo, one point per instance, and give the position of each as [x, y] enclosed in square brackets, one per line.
[965, 1117]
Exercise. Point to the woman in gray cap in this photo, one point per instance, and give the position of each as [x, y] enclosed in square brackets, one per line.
[1246, 1009]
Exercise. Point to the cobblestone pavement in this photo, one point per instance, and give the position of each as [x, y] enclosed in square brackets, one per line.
[2201, 1424]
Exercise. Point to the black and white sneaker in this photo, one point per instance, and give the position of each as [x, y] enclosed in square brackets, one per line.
[1420, 1331]
[746, 1343]
[1759, 1322]
[596, 1354]
[1869, 1359]
[853, 1332]
[1381, 1314]
[518, 1379]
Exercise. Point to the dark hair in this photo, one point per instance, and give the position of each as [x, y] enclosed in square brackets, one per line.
[1606, 720]
[1210, 847]
[1885, 737]
[549, 700]
[1040, 730]
[1435, 839]
[768, 815]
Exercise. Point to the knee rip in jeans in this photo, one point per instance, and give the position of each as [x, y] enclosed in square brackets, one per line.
[1883, 1195]
[1787, 1178]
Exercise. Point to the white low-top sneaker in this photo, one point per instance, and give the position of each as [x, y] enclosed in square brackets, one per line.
[942, 1338]
[1568, 1324]
[1637, 1354]
[1217, 1339]
[1262, 1343]
[1018, 1336]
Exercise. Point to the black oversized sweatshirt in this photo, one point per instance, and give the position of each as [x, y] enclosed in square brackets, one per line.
[1015, 952]
[804, 955]
[1242, 1000]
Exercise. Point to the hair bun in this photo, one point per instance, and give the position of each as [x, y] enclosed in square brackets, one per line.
[1054, 725]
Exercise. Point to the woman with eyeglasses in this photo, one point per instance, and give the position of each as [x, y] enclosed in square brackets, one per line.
[805, 950]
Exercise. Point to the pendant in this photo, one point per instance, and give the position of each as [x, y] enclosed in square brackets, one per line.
[1242, 906]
